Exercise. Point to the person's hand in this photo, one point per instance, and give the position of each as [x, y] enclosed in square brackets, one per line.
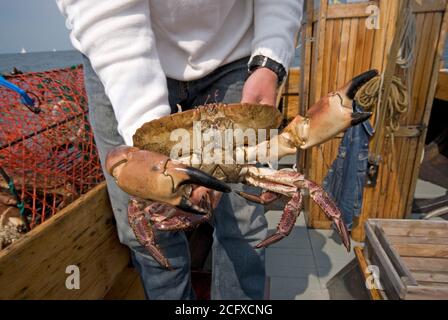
[261, 87]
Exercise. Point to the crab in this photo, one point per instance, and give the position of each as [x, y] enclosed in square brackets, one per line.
[177, 191]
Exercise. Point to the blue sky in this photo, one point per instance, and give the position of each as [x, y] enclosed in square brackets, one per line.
[36, 25]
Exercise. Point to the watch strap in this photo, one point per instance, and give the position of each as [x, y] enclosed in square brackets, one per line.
[261, 61]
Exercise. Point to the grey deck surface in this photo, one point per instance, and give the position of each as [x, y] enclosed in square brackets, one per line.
[300, 265]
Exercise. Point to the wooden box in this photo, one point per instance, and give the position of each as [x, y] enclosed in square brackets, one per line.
[411, 256]
[84, 235]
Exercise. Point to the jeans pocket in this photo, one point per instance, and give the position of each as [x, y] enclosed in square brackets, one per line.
[363, 159]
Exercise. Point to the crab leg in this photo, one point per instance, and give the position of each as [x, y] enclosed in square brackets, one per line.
[140, 223]
[290, 214]
[330, 209]
[144, 229]
[184, 222]
[288, 183]
[204, 198]
[265, 198]
[146, 216]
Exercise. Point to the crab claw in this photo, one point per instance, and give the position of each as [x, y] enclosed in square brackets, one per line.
[330, 116]
[150, 175]
[349, 91]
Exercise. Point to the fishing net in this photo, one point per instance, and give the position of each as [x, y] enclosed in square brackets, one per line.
[51, 156]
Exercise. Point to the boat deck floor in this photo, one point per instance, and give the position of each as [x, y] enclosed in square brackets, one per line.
[300, 266]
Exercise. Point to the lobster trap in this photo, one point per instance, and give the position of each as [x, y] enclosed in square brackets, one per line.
[50, 156]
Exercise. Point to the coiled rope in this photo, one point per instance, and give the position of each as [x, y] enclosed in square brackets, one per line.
[397, 102]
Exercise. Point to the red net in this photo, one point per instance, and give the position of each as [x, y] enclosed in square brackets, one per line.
[50, 156]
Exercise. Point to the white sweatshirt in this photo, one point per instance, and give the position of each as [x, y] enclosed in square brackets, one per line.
[134, 45]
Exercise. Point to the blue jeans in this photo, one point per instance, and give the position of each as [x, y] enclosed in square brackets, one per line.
[238, 269]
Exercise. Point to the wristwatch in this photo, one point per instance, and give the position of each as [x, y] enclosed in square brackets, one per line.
[261, 61]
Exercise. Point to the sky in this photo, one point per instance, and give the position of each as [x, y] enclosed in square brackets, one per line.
[36, 25]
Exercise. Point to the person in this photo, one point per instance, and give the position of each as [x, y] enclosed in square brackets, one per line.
[142, 58]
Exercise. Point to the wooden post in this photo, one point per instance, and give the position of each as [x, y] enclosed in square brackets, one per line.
[396, 20]
[320, 46]
[307, 42]
[305, 68]
[315, 68]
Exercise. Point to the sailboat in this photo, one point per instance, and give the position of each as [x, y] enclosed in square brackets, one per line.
[23, 50]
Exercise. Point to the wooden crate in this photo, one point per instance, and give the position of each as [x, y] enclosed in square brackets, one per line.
[82, 234]
[337, 46]
[412, 257]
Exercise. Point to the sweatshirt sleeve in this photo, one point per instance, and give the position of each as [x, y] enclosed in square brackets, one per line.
[117, 38]
[276, 26]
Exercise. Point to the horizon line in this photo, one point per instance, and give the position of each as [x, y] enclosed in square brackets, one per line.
[51, 50]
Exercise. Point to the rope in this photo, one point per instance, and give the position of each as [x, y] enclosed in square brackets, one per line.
[24, 96]
[406, 54]
[397, 102]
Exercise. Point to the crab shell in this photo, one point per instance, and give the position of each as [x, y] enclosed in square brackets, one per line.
[156, 135]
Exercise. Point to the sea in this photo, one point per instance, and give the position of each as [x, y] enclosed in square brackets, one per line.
[38, 61]
[41, 61]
